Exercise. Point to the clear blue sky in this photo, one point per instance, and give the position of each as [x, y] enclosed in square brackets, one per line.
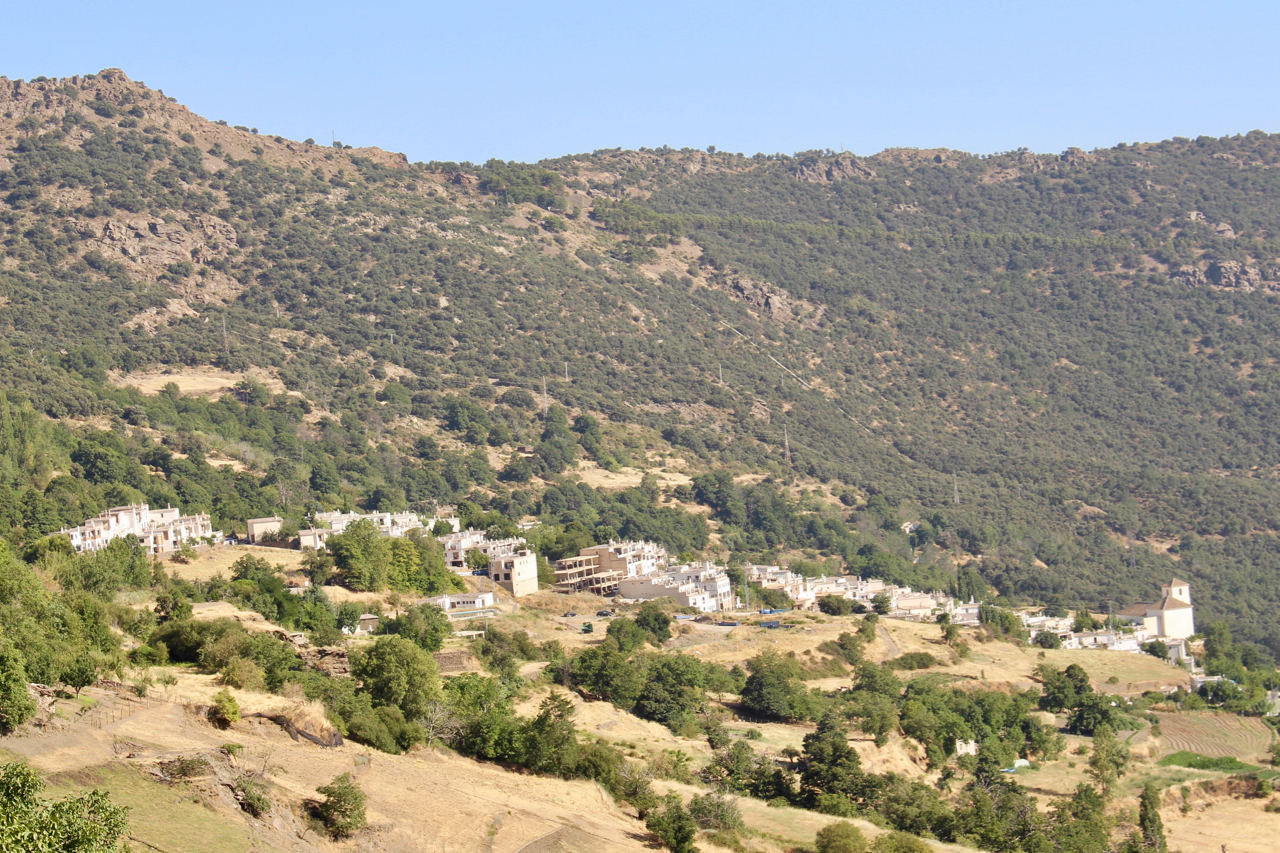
[527, 80]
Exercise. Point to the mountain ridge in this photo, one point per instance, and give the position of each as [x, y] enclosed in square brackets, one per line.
[1030, 330]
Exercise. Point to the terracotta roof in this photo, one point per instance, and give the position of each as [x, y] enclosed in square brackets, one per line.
[1168, 603]
[1176, 582]
[1139, 609]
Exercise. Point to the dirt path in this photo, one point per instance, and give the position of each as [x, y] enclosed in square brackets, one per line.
[890, 646]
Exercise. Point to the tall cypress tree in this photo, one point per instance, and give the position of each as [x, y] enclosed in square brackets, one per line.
[1149, 820]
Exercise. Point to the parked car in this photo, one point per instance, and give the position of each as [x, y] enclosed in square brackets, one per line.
[604, 612]
[570, 615]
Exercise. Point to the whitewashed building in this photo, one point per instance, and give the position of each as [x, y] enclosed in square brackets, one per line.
[702, 586]
[1172, 617]
[463, 602]
[161, 531]
[457, 544]
[393, 524]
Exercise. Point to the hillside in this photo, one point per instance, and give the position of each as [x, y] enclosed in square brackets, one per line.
[1063, 364]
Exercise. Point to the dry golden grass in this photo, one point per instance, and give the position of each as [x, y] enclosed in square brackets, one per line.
[472, 805]
[218, 561]
[625, 478]
[1237, 826]
[210, 610]
[603, 720]
[787, 827]
[197, 381]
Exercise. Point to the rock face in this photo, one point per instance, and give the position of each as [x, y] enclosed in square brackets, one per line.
[331, 660]
[841, 168]
[1228, 275]
[775, 303]
[1189, 275]
[1234, 275]
[154, 241]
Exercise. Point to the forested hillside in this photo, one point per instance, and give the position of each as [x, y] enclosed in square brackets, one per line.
[1063, 365]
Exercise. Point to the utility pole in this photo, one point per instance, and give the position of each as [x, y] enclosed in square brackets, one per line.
[720, 367]
[566, 371]
[786, 443]
[545, 404]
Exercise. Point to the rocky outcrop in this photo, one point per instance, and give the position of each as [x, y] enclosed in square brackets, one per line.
[147, 239]
[1191, 276]
[775, 303]
[331, 660]
[390, 159]
[1228, 275]
[828, 172]
[1222, 229]
[1234, 275]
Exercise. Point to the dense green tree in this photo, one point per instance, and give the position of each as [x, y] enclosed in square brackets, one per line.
[426, 625]
[363, 555]
[87, 823]
[16, 704]
[627, 634]
[655, 621]
[395, 671]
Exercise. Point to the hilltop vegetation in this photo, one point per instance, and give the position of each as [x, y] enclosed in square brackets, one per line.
[1080, 347]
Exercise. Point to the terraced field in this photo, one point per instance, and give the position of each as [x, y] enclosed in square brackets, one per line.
[1214, 736]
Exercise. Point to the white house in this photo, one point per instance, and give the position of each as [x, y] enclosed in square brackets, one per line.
[160, 531]
[702, 586]
[457, 544]
[463, 603]
[393, 524]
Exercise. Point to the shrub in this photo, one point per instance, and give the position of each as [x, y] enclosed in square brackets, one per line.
[252, 795]
[184, 768]
[913, 660]
[716, 812]
[343, 808]
[673, 825]
[225, 710]
[242, 674]
[899, 842]
[841, 837]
